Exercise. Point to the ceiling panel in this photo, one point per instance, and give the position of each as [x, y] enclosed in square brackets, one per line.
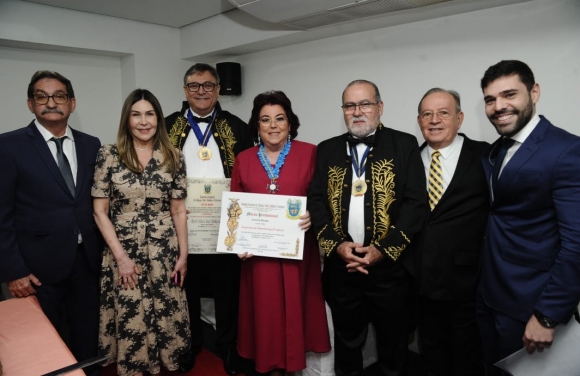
[174, 13]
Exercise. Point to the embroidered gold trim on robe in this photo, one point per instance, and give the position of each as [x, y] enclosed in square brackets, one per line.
[335, 187]
[176, 134]
[383, 192]
[325, 244]
[395, 252]
[228, 139]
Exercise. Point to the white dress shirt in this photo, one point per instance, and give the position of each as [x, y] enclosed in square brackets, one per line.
[356, 210]
[68, 147]
[448, 160]
[69, 150]
[197, 168]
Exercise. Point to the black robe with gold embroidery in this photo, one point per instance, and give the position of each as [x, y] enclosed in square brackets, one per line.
[231, 134]
[395, 205]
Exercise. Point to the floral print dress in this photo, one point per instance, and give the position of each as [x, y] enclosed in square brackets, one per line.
[143, 328]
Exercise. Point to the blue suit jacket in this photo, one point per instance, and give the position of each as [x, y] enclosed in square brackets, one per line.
[39, 218]
[531, 255]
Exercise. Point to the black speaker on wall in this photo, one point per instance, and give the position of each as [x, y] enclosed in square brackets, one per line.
[230, 78]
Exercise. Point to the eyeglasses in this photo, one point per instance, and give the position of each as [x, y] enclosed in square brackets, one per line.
[280, 120]
[442, 114]
[349, 108]
[195, 86]
[59, 98]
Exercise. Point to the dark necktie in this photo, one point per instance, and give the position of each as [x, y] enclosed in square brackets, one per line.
[353, 141]
[198, 120]
[63, 164]
[504, 146]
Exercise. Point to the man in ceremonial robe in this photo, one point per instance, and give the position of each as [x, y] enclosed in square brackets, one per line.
[367, 202]
[210, 139]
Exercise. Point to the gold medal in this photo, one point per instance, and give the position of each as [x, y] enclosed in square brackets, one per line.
[359, 188]
[204, 153]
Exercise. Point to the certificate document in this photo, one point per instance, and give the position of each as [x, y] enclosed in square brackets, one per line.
[204, 198]
[560, 359]
[262, 224]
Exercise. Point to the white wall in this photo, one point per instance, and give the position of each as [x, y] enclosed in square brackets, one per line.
[104, 57]
[99, 100]
[407, 60]
[107, 57]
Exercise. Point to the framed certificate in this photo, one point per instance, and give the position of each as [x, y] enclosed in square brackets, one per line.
[262, 224]
[204, 197]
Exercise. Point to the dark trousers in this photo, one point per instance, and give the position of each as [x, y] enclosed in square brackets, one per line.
[221, 275]
[355, 299]
[77, 298]
[449, 338]
[501, 336]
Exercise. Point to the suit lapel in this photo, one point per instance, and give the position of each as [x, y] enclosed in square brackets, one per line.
[466, 158]
[521, 157]
[81, 161]
[42, 148]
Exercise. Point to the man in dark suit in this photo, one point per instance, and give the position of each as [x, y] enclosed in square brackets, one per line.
[449, 248]
[49, 244]
[367, 202]
[530, 279]
[210, 139]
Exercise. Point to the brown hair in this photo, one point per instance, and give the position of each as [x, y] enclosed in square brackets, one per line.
[127, 153]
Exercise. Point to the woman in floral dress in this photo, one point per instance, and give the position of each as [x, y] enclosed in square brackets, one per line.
[139, 203]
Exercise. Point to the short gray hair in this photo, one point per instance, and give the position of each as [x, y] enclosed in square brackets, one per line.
[453, 93]
[201, 68]
[355, 82]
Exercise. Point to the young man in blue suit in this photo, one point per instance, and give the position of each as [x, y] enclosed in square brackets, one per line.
[49, 244]
[530, 277]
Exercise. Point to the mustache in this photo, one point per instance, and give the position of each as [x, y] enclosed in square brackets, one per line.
[49, 110]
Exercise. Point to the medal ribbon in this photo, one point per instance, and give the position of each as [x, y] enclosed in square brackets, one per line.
[359, 168]
[273, 174]
[202, 138]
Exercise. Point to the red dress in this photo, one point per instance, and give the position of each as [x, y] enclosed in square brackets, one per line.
[282, 313]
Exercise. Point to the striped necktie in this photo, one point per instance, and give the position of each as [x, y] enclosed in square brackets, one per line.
[435, 188]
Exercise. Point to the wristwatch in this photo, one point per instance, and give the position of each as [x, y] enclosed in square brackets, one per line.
[544, 320]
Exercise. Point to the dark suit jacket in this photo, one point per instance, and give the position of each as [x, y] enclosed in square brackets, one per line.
[395, 201]
[446, 255]
[531, 255]
[39, 218]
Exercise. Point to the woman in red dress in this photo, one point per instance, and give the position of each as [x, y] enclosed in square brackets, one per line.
[282, 313]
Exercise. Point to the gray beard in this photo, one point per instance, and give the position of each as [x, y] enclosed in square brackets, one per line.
[361, 132]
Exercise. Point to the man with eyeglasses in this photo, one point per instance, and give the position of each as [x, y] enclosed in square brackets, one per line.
[445, 257]
[367, 202]
[49, 244]
[210, 139]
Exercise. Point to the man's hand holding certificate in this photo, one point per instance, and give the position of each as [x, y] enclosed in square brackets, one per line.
[262, 225]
